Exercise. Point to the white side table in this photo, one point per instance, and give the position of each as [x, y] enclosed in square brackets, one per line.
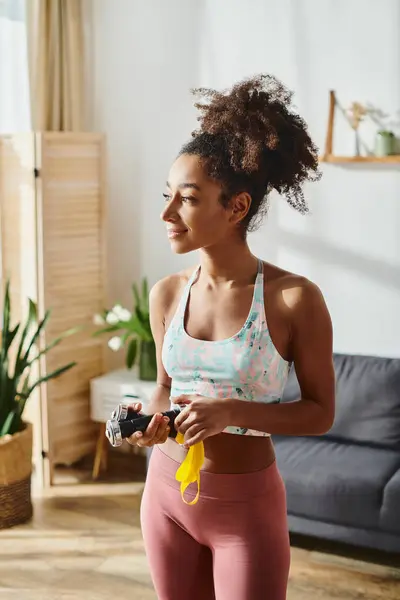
[106, 392]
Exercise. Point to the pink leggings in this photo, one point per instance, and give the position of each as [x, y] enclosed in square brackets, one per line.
[232, 545]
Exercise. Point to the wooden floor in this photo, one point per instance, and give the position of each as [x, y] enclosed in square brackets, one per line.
[85, 544]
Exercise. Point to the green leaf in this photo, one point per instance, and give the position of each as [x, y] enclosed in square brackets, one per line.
[47, 377]
[54, 343]
[109, 328]
[20, 362]
[125, 337]
[6, 318]
[145, 295]
[142, 316]
[7, 424]
[131, 354]
[4, 381]
[12, 335]
[23, 395]
[36, 335]
[140, 322]
[136, 294]
[140, 330]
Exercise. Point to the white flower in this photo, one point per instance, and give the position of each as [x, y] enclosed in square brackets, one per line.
[112, 318]
[117, 314]
[123, 314]
[115, 343]
[98, 320]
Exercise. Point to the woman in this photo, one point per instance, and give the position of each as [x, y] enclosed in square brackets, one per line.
[227, 333]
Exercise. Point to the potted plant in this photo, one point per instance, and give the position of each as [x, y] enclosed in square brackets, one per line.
[19, 377]
[384, 143]
[132, 331]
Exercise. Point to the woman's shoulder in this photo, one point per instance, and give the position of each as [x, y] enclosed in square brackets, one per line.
[167, 289]
[295, 290]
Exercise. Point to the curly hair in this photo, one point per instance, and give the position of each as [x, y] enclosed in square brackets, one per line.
[250, 140]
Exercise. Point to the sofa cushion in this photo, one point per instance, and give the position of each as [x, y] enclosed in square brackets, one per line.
[367, 399]
[335, 482]
[390, 512]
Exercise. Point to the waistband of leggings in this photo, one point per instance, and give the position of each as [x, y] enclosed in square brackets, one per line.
[231, 486]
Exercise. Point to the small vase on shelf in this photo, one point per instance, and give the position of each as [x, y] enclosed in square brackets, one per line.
[357, 143]
[384, 143]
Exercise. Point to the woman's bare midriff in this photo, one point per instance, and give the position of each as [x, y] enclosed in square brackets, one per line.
[229, 453]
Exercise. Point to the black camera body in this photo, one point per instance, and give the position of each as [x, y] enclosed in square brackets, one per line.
[125, 421]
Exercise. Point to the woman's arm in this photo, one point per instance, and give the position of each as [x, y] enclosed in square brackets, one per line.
[158, 298]
[312, 353]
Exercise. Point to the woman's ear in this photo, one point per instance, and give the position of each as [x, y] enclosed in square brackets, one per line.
[240, 207]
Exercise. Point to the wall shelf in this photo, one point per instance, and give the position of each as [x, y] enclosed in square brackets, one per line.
[331, 158]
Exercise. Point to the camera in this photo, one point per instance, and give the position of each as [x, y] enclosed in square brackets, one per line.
[125, 421]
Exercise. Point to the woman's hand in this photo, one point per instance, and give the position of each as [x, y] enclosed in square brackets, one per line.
[201, 418]
[156, 433]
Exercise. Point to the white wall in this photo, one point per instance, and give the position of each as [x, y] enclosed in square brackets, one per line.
[14, 77]
[146, 57]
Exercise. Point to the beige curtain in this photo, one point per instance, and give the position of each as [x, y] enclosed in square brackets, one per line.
[55, 45]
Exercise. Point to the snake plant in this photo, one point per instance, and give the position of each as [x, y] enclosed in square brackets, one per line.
[19, 354]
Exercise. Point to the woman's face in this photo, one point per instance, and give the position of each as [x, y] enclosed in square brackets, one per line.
[193, 213]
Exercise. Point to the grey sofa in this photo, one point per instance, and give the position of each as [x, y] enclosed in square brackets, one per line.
[345, 485]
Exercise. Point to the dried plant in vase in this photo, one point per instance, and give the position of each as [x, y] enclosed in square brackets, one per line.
[356, 114]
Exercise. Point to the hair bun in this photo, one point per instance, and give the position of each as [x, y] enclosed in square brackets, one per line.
[262, 132]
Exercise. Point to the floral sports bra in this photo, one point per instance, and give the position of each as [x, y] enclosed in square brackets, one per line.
[246, 366]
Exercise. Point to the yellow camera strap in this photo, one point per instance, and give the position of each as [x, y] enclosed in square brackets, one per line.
[189, 470]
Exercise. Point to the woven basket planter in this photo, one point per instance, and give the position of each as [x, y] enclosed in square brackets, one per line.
[15, 478]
